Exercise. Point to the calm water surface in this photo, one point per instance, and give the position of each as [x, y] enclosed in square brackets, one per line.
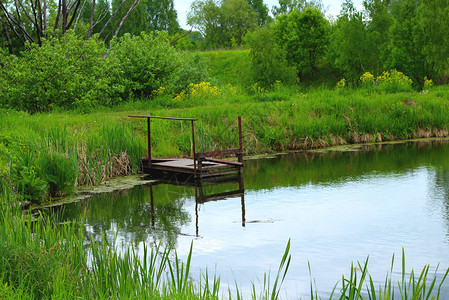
[336, 207]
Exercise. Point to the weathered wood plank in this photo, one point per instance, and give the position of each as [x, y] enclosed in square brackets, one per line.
[226, 162]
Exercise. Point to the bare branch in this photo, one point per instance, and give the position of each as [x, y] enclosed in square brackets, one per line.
[181, 37]
[58, 16]
[134, 5]
[8, 20]
[65, 14]
[112, 16]
[79, 15]
[73, 15]
[91, 24]
[45, 15]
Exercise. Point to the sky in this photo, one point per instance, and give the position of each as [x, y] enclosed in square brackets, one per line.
[332, 8]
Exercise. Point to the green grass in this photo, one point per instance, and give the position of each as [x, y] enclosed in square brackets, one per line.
[67, 149]
[228, 66]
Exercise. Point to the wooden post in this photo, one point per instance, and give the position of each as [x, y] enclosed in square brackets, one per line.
[149, 141]
[193, 148]
[240, 155]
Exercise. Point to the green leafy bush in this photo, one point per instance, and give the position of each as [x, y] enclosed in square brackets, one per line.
[64, 72]
[142, 64]
[303, 36]
[268, 61]
[394, 82]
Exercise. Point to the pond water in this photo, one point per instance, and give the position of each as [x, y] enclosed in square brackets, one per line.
[335, 206]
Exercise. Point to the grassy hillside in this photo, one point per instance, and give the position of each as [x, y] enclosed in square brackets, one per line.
[227, 66]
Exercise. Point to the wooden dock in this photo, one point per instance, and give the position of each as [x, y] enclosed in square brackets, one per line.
[201, 165]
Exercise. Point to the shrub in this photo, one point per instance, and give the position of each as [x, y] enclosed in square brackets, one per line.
[268, 61]
[367, 80]
[428, 83]
[200, 91]
[341, 84]
[63, 72]
[194, 69]
[394, 82]
[142, 64]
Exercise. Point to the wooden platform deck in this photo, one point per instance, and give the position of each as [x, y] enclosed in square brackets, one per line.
[186, 166]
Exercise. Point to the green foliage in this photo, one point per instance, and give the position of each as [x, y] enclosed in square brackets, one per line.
[161, 16]
[67, 72]
[194, 69]
[238, 18]
[71, 73]
[287, 6]
[377, 33]
[40, 259]
[222, 22]
[184, 41]
[142, 64]
[394, 82]
[59, 171]
[303, 37]
[435, 40]
[405, 46]
[350, 30]
[205, 16]
[31, 187]
[268, 62]
[261, 10]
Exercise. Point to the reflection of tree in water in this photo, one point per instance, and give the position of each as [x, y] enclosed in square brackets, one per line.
[132, 216]
[440, 190]
[333, 167]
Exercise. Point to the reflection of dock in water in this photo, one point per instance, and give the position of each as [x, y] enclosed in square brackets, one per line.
[201, 195]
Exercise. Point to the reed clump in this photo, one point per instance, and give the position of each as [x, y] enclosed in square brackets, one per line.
[42, 162]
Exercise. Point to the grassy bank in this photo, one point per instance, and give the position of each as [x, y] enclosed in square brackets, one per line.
[48, 155]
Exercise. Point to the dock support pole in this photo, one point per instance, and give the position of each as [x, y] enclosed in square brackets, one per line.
[149, 141]
[193, 149]
[240, 156]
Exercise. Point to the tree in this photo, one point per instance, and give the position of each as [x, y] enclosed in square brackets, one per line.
[135, 23]
[238, 18]
[32, 21]
[221, 23]
[162, 16]
[303, 36]
[287, 6]
[378, 12]
[349, 49]
[205, 15]
[407, 39]
[268, 62]
[261, 10]
[434, 21]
